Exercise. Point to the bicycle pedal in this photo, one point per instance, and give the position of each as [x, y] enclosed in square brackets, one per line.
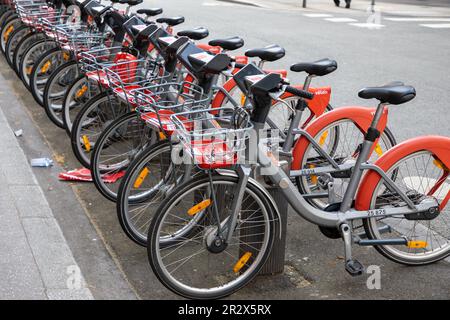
[354, 267]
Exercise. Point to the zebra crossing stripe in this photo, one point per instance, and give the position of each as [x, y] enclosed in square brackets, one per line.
[419, 19]
[341, 19]
[368, 25]
[317, 15]
[437, 25]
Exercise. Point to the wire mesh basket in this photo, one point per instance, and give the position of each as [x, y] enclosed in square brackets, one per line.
[129, 73]
[156, 103]
[93, 62]
[104, 56]
[51, 24]
[33, 13]
[213, 138]
[79, 38]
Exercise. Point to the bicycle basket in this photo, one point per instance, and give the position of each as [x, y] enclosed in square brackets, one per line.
[158, 102]
[216, 140]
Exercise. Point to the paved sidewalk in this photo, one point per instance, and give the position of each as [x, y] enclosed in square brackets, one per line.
[35, 260]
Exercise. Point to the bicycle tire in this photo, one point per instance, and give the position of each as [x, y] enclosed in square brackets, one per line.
[45, 58]
[92, 105]
[105, 139]
[48, 105]
[153, 236]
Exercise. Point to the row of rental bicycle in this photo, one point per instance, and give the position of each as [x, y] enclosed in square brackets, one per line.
[188, 138]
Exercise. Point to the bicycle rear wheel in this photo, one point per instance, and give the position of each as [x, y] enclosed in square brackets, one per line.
[190, 264]
[342, 140]
[421, 176]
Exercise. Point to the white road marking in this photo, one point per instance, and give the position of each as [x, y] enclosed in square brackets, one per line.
[437, 25]
[411, 13]
[419, 19]
[341, 19]
[317, 15]
[217, 4]
[368, 25]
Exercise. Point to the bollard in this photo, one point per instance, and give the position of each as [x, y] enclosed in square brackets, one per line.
[304, 4]
[275, 262]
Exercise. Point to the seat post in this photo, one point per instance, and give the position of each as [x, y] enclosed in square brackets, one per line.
[308, 82]
[127, 10]
[261, 64]
[369, 139]
[378, 114]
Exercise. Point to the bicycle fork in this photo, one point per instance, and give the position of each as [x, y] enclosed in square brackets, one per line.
[219, 240]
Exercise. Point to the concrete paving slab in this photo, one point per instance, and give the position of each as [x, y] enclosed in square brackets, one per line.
[21, 282]
[30, 201]
[69, 294]
[18, 173]
[51, 252]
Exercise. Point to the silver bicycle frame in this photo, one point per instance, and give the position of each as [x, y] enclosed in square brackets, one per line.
[346, 212]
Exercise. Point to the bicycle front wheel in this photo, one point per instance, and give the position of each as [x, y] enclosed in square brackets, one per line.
[189, 264]
[116, 148]
[77, 95]
[93, 118]
[12, 42]
[146, 184]
[42, 70]
[29, 58]
[55, 91]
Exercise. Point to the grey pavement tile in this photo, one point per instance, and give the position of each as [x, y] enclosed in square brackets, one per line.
[7, 134]
[7, 206]
[18, 173]
[14, 247]
[51, 252]
[69, 294]
[30, 201]
[20, 283]
[11, 154]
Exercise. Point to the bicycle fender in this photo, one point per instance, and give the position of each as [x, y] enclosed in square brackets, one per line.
[361, 116]
[231, 173]
[438, 145]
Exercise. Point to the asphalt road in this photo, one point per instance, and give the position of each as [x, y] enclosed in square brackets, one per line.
[399, 51]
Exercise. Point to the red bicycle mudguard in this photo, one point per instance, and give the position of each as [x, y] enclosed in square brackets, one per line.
[437, 145]
[361, 116]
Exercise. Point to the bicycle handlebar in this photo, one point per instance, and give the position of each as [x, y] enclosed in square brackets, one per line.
[299, 93]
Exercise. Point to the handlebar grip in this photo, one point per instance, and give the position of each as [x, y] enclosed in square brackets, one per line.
[300, 93]
[239, 65]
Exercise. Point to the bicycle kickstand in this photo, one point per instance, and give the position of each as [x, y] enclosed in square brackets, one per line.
[352, 266]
